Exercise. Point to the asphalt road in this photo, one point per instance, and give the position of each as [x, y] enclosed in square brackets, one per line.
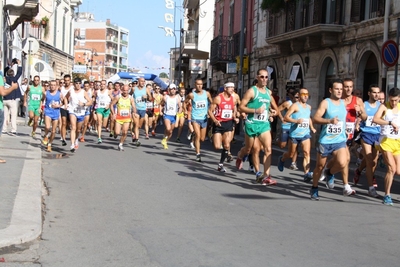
[152, 207]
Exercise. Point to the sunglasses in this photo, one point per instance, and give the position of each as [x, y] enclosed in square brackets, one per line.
[304, 94]
[263, 77]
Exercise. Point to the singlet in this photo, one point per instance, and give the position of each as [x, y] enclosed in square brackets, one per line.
[368, 126]
[171, 105]
[334, 133]
[156, 101]
[113, 94]
[259, 100]
[52, 99]
[387, 130]
[302, 129]
[286, 125]
[138, 95]
[102, 99]
[35, 96]
[351, 117]
[74, 99]
[64, 92]
[224, 111]
[123, 108]
[199, 105]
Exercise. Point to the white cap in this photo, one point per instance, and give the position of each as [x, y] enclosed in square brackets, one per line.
[229, 84]
[172, 85]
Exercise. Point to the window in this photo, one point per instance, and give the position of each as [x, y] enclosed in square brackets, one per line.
[231, 17]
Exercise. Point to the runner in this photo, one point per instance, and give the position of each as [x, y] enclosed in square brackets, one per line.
[331, 113]
[89, 91]
[370, 134]
[148, 121]
[299, 115]
[66, 87]
[256, 104]
[114, 93]
[388, 116]
[141, 94]
[224, 108]
[35, 93]
[53, 99]
[180, 117]
[199, 100]
[172, 105]
[157, 98]
[123, 114]
[103, 100]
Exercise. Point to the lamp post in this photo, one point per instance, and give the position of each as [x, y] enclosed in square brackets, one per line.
[162, 27]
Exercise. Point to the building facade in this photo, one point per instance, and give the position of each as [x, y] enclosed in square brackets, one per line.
[101, 46]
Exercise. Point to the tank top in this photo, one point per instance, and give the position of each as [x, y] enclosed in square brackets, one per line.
[139, 101]
[52, 99]
[35, 96]
[286, 125]
[368, 126]
[102, 99]
[156, 101]
[64, 92]
[74, 99]
[115, 94]
[334, 133]
[123, 108]
[224, 111]
[387, 130]
[171, 105]
[351, 117]
[302, 129]
[199, 105]
[259, 100]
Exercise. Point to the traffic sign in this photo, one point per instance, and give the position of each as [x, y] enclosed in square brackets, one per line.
[390, 53]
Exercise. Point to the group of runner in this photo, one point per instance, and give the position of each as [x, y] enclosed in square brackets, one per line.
[128, 107]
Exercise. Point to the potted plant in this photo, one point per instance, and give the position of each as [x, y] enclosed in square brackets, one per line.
[35, 23]
[45, 21]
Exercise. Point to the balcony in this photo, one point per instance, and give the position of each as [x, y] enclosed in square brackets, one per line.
[225, 49]
[124, 42]
[75, 3]
[124, 67]
[122, 54]
[190, 4]
[24, 10]
[189, 42]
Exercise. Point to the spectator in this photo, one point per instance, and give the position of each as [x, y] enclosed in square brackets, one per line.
[23, 87]
[10, 101]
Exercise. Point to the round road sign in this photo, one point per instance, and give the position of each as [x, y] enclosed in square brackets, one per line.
[390, 53]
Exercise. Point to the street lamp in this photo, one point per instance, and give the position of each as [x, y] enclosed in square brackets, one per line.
[162, 27]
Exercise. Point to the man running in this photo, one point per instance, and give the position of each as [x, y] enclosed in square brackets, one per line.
[180, 117]
[224, 108]
[67, 86]
[172, 105]
[141, 94]
[103, 100]
[35, 93]
[157, 98]
[89, 91]
[114, 93]
[331, 113]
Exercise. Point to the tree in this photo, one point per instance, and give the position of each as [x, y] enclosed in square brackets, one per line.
[163, 75]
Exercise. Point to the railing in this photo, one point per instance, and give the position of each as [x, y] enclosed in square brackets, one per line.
[122, 54]
[123, 66]
[190, 37]
[124, 42]
[225, 48]
[112, 26]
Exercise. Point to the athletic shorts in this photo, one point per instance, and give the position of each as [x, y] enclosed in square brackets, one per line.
[391, 145]
[35, 110]
[202, 123]
[141, 113]
[53, 114]
[370, 139]
[180, 115]
[299, 140]
[88, 110]
[171, 118]
[64, 113]
[226, 126]
[104, 112]
[150, 113]
[123, 121]
[78, 118]
[327, 149]
[284, 135]
[256, 129]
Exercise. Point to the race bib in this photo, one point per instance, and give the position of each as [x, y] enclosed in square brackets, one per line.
[226, 114]
[369, 123]
[335, 128]
[78, 110]
[124, 112]
[201, 104]
[102, 104]
[304, 124]
[139, 100]
[149, 105]
[261, 116]
[350, 127]
[35, 97]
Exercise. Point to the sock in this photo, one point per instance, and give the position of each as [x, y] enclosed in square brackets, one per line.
[224, 155]
[120, 144]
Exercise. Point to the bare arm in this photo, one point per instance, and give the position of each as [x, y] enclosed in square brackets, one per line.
[216, 101]
[4, 91]
[320, 112]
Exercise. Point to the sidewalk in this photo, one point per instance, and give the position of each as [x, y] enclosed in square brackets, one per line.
[21, 187]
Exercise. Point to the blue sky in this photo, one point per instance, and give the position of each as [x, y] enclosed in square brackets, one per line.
[148, 45]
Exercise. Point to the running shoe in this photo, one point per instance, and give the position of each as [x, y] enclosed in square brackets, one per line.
[189, 136]
[99, 141]
[120, 147]
[229, 158]
[293, 166]
[164, 143]
[314, 193]
[259, 177]
[356, 177]
[221, 168]
[153, 133]
[138, 144]
[48, 148]
[268, 181]
[348, 191]
[251, 169]
[191, 145]
[33, 134]
[308, 177]
[330, 180]
[281, 164]
[45, 140]
[198, 158]
[111, 134]
[72, 148]
[82, 139]
[239, 163]
[374, 183]
[387, 200]
[178, 140]
[147, 136]
[63, 142]
[372, 192]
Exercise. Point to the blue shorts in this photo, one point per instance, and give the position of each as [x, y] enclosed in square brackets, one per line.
[298, 140]
[53, 114]
[171, 118]
[88, 111]
[202, 123]
[370, 139]
[327, 149]
[284, 135]
[141, 113]
[78, 118]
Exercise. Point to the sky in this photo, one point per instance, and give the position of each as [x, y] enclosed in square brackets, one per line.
[148, 45]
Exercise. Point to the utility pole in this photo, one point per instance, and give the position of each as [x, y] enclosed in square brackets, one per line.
[241, 47]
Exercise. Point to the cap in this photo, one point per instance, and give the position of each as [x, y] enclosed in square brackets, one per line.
[77, 80]
[229, 84]
[172, 85]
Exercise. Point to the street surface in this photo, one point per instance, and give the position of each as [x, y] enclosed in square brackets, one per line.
[152, 207]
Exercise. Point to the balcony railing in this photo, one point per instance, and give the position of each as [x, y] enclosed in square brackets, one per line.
[122, 54]
[225, 48]
[124, 42]
[190, 37]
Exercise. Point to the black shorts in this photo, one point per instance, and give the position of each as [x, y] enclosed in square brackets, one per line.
[64, 113]
[150, 113]
[226, 126]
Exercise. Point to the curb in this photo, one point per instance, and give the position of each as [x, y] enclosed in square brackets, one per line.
[26, 217]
